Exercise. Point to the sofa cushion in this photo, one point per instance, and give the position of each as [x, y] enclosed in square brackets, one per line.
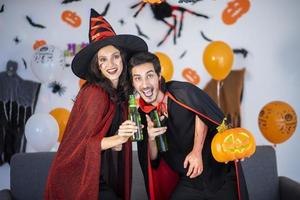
[28, 174]
[261, 176]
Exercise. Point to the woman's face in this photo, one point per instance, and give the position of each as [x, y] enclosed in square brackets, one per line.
[110, 63]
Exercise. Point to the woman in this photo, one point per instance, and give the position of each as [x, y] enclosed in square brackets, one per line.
[94, 159]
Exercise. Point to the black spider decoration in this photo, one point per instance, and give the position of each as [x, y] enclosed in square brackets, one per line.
[122, 22]
[165, 10]
[17, 40]
[57, 87]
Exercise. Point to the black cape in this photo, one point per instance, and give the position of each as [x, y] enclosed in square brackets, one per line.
[160, 179]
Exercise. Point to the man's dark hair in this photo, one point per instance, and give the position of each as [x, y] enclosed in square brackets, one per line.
[145, 57]
[94, 75]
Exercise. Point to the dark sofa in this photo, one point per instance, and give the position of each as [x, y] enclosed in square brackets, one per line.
[29, 172]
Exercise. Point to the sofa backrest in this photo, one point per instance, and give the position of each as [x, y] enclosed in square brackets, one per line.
[260, 171]
[28, 174]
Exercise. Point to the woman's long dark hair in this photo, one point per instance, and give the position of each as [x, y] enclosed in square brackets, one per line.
[95, 76]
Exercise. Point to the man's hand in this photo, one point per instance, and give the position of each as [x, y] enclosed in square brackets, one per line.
[195, 163]
[153, 132]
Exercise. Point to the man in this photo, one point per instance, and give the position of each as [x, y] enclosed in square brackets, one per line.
[187, 170]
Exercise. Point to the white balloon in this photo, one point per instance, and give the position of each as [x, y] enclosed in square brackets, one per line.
[47, 63]
[41, 131]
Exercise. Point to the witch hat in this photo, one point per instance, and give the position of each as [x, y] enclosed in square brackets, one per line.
[102, 34]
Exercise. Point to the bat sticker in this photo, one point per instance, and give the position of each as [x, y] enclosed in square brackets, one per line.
[2, 8]
[140, 32]
[68, 1]
[33, 23]
[25, 63]
[183, 54]
[242, 51]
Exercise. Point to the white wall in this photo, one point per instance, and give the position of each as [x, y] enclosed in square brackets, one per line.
[269, 31]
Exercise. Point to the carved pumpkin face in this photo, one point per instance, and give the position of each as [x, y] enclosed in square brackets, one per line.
[277, 121]
[191, 76]
[71, 18]
[233, 144]
[234, 10]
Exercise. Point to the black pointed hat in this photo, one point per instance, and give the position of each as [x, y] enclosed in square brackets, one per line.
[102, 34]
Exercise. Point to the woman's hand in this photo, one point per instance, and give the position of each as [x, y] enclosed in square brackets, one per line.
[126, 130]
[153, 132]
[117, 148]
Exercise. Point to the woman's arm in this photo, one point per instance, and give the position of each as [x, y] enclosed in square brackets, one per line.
[126, 130]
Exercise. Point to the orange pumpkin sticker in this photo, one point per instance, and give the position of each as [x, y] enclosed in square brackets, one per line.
[233, 144]
[81, 82]
[71, 18]
[153, 1]
[191, 76]
[234, 10]
[38, 43]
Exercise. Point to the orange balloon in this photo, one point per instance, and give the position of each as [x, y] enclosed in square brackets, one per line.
[218, 59]
[277, 121]
[167, 67]
[233, 144]
[81, 82]
[61, 115]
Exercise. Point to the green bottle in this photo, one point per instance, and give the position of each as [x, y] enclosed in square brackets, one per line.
[161, 140]
[134, 116]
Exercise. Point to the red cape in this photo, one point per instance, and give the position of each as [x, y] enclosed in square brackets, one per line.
[75, 170]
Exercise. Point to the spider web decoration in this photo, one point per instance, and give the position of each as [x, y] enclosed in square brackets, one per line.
[57, 87]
